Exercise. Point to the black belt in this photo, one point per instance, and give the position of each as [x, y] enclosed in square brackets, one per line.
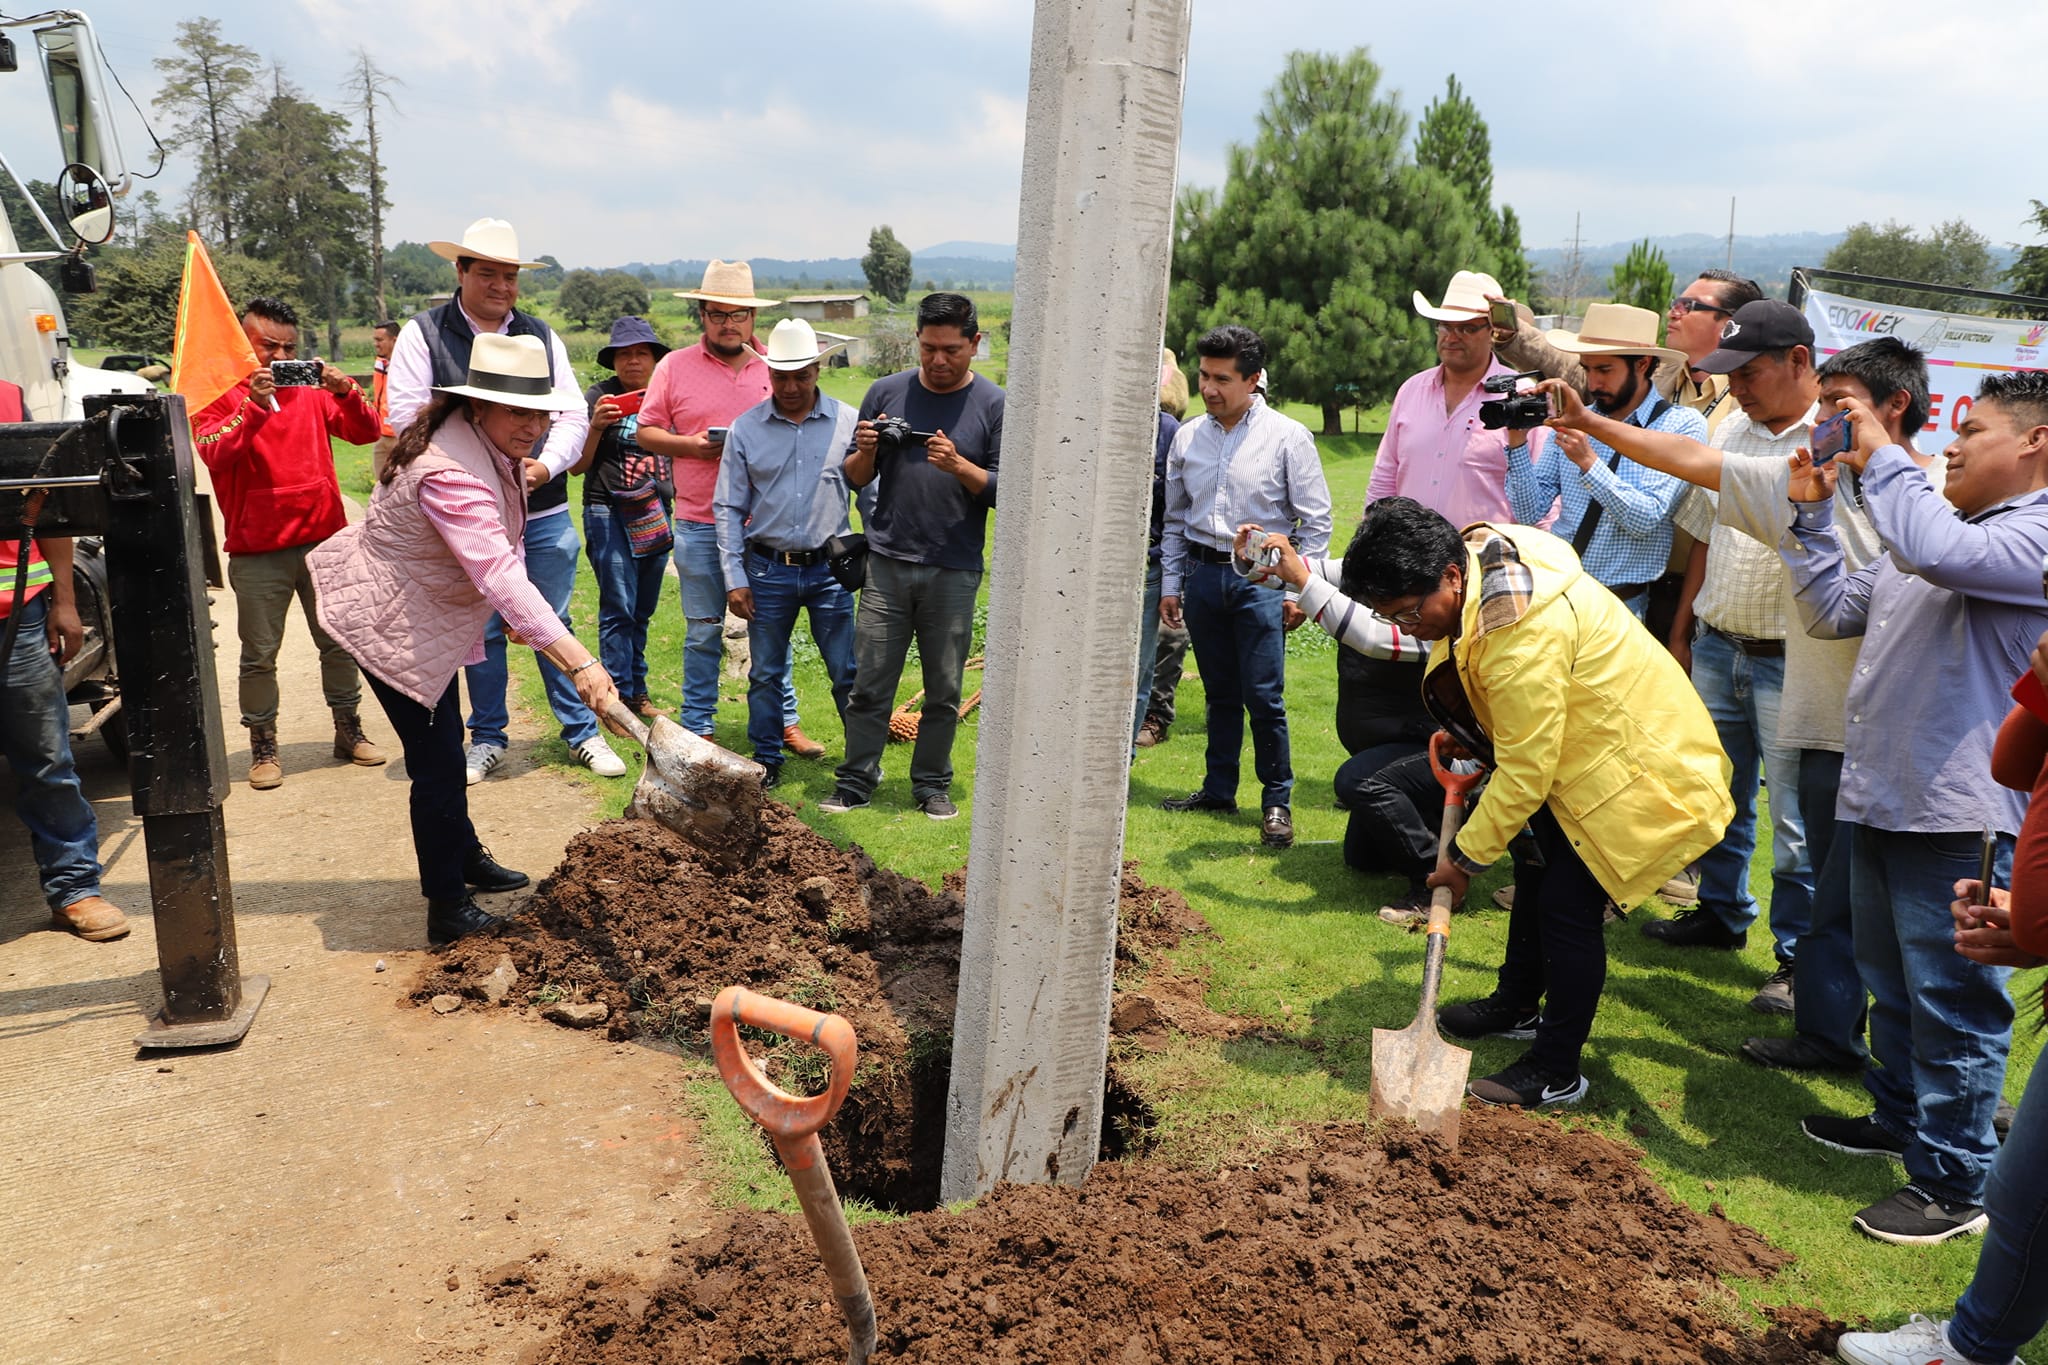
[796, 559]
[1202, 554]
[1754, 648]
[1629, 591]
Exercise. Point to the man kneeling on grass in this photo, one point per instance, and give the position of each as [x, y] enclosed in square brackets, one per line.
[1596, 744]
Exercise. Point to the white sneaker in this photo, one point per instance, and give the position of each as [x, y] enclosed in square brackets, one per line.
[1920, 1342]
[599, 758]
[479, 761]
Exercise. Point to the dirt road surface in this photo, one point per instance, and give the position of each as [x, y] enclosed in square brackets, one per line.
[330, 1189]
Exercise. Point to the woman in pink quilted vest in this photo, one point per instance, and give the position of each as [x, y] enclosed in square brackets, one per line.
[409, 591]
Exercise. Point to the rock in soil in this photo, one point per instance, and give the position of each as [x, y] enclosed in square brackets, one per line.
[1531, 1243]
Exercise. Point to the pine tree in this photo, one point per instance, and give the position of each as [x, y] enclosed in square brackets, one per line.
[368, 84]
[1643, 278]
[205, 99]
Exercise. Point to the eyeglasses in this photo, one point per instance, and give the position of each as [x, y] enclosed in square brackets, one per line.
[721, 315]
[1410, 617]
[1465, 329]
[1681, 306]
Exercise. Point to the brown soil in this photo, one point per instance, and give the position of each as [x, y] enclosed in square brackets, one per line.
[1531, 1243]
[651, 926]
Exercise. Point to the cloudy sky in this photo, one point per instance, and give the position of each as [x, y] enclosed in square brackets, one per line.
[608, 132]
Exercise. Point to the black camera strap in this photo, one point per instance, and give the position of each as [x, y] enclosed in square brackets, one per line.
[1589, 523]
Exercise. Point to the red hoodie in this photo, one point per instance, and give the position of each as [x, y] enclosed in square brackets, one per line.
[274, 471]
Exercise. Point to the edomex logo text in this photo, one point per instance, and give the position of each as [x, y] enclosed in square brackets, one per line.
[1846, 319]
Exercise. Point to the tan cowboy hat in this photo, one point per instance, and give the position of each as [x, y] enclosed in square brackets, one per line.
[730, 283]
[487, 239]
[1614, 329]
[1464, 300]
[513, 371]
[793, 345]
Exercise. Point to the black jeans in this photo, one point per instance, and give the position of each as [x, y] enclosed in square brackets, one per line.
[1556, 951]
[1379, 701]
[1396, 809]
[442, 835]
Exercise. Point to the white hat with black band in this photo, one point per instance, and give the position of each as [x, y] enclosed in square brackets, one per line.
[513, 371]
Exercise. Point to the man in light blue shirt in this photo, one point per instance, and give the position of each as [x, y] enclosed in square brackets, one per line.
[1239, 463]
[781, 495]
[1948, 614]
[1615, 512]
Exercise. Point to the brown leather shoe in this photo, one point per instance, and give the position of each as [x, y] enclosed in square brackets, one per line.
[801, 744]
[94, 919]
[265, 771]
[645, 708]
[350, 744]
[1152, 732]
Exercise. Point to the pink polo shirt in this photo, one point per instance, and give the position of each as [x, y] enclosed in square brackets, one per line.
[1445, 461]
[691, 392]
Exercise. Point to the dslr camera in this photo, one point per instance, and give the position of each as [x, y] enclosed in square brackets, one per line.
[892, 432]
[295, 374]
[1517, 410]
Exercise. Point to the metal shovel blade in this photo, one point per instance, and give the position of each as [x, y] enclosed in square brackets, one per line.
[710, 796]
[1419, 1077]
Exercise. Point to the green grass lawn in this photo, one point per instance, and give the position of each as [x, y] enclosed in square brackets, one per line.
[1298, 946]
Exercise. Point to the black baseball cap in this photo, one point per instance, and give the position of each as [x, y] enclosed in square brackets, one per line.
[1758, 326]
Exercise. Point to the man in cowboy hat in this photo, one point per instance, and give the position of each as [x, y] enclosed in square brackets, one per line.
[1616, 513]
[433, 350]
[695, 395]
[1435, 451]
[782, 493]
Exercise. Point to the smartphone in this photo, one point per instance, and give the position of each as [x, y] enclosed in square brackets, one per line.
[716, 435]
[1831, 438]
[1501, 315]
[295, 374]
[629, 403]
[1990, 854]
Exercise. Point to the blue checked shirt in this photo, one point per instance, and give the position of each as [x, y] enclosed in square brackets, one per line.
[1632, 543]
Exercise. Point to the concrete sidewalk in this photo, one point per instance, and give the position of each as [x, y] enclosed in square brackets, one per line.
[329, 1189]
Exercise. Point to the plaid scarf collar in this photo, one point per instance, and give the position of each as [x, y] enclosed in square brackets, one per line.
[1506, 585]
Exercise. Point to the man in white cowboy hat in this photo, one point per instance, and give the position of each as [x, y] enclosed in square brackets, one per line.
[1616, 513]
[1435, 450]
[782, 493]
[433, 350]
[693, 398]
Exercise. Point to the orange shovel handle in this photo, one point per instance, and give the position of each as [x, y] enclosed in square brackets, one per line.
[784, 1115]
[1455, 785]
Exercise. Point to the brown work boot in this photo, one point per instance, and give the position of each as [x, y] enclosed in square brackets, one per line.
[350, 744]
[94, 919]
[265, 771]
[645, 708]
[1152, 732]
[801, 744]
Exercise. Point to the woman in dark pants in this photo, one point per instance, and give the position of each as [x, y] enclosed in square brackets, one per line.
[409, 591]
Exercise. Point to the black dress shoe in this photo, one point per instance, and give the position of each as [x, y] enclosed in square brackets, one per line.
[1199, 801]
[771, 775]
[1799, 1053]
[1277, 829]
[450, 920]
[1698, 927]
[482, 871]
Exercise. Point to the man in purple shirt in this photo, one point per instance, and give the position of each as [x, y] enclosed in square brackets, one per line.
[1948, 613]
[1435, 450]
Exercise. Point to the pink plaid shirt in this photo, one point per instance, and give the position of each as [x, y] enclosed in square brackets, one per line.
[691, 392]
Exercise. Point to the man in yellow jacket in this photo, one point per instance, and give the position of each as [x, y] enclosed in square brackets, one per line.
[1596, 742]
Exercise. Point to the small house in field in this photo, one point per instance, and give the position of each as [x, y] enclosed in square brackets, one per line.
[827, 307]
[852, 350]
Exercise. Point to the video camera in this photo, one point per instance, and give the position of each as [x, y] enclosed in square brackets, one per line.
[1519, 410]
[895, 431]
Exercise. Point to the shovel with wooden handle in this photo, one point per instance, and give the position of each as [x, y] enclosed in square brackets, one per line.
[1416, 1075]
[710, 796]
[793, 1123]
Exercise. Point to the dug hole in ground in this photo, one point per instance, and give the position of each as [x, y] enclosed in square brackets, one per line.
[413, 1165]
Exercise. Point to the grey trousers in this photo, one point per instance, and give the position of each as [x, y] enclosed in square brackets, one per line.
[901, 602]
[265, 585]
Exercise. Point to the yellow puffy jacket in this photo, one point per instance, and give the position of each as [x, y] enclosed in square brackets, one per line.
[1589, 713]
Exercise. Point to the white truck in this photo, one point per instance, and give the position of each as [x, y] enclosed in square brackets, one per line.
[35, 344]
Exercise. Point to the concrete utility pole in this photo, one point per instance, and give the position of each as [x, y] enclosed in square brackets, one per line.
[1094, 242]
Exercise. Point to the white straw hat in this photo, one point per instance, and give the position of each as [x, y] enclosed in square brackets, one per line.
[793, 345]
[513, 371]
[730, 283]
[487, 239]
[1464, 300]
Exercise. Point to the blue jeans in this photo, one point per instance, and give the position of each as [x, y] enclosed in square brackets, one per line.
[1741, 694]
[628, 592]
[2006, 1304]
[35, 727]
[1242, 652]
[1148, 647]
[934, 605]
[703, 582]
[551, 548]
[1940, 1024]
[780, 591]
[1827, 991]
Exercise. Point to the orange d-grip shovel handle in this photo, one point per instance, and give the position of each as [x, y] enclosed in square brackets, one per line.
[784, 1115]
[1455, 785]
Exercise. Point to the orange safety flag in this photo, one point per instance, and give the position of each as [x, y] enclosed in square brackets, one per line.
[213, 352]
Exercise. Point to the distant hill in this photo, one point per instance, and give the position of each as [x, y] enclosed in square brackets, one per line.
[1766, 258]
[964, 265]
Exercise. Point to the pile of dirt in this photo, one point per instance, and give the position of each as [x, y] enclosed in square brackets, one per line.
[644, 924]
[1531, 1243]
